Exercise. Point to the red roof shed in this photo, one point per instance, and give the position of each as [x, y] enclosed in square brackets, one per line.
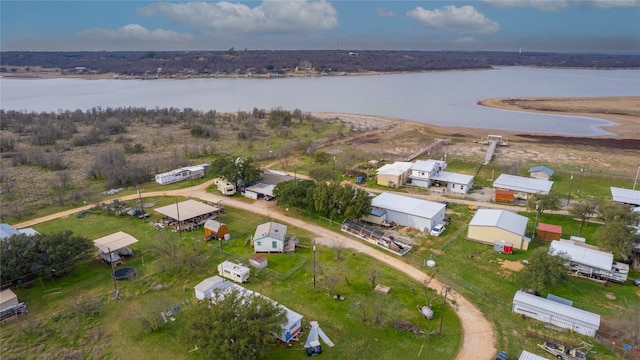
[549, 232]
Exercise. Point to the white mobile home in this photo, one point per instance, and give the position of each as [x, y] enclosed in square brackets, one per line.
[289, 330]
[234, 272]
[591, 262]
[189, 172]
[551, 312]
[419, 214]
[625, 196]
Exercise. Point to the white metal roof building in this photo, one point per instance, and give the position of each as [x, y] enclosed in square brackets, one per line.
[491, 225]
[525, 355]
[551, 312]
[114, 242]
[522, 185]
[625, 196]
[407, 211]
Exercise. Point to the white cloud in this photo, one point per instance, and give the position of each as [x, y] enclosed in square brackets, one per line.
[271, 16]
[135, 32]
[543, 5]
[463, 19]
[382, 12]
[465, 40]
[606, 4]
[559, 5]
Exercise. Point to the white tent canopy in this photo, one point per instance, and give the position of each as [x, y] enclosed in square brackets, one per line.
[114, 242]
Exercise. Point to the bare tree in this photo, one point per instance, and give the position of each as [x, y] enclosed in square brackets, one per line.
[339, 245]
[373, 277]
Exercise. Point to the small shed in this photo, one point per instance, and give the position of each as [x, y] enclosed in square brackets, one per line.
[551, 312]
[503, 196]
[8, 299]
[205, 288]
[376, 216]
[258, 261]
[214, 230]
[549, 232]
[541, 172]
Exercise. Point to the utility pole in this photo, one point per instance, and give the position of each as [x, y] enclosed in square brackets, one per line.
[314, 264]
[580, 182]
[636, 180]
[444, 305]
[141, 204]
[535, 224]
[178, 214]
[334, 168]
[113, 273]
[295, 172]
[570, 186]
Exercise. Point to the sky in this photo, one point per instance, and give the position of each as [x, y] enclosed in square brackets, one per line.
[602, 26]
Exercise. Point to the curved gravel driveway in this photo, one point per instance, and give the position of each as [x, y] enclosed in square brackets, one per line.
[478, 341]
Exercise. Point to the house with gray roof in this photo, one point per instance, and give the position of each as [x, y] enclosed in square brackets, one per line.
[540, 172]
[419, 214]
[7, 231]
[270, 237]
[428, 173]
[490, 225]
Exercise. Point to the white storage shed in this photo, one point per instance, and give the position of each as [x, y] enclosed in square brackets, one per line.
[205, 288]
[551, 312]
[419, 214]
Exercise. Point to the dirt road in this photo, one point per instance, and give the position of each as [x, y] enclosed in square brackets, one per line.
[478, 333]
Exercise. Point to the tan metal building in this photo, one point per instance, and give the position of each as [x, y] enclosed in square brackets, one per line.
[491, 225]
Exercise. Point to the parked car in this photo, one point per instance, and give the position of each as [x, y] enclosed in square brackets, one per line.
[437, 230]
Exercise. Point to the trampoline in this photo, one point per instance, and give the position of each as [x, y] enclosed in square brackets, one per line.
[124, 273]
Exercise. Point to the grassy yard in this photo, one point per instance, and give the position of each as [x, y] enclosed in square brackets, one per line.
[78, 313]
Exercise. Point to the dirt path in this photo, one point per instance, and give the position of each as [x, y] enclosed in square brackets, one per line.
[478, 340]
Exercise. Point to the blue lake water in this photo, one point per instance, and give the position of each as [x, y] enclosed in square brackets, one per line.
[446, 98]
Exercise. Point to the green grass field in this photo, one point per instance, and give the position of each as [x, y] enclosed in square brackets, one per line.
[78, 312]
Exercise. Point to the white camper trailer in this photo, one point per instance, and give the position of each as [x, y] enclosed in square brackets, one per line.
[226, 188]
[234, 272]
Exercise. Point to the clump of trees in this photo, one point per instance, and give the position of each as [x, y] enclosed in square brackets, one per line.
[238, 326]
[42, 255]
[617, 234]
[545, 271]
[330, 199]
[237, 170]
